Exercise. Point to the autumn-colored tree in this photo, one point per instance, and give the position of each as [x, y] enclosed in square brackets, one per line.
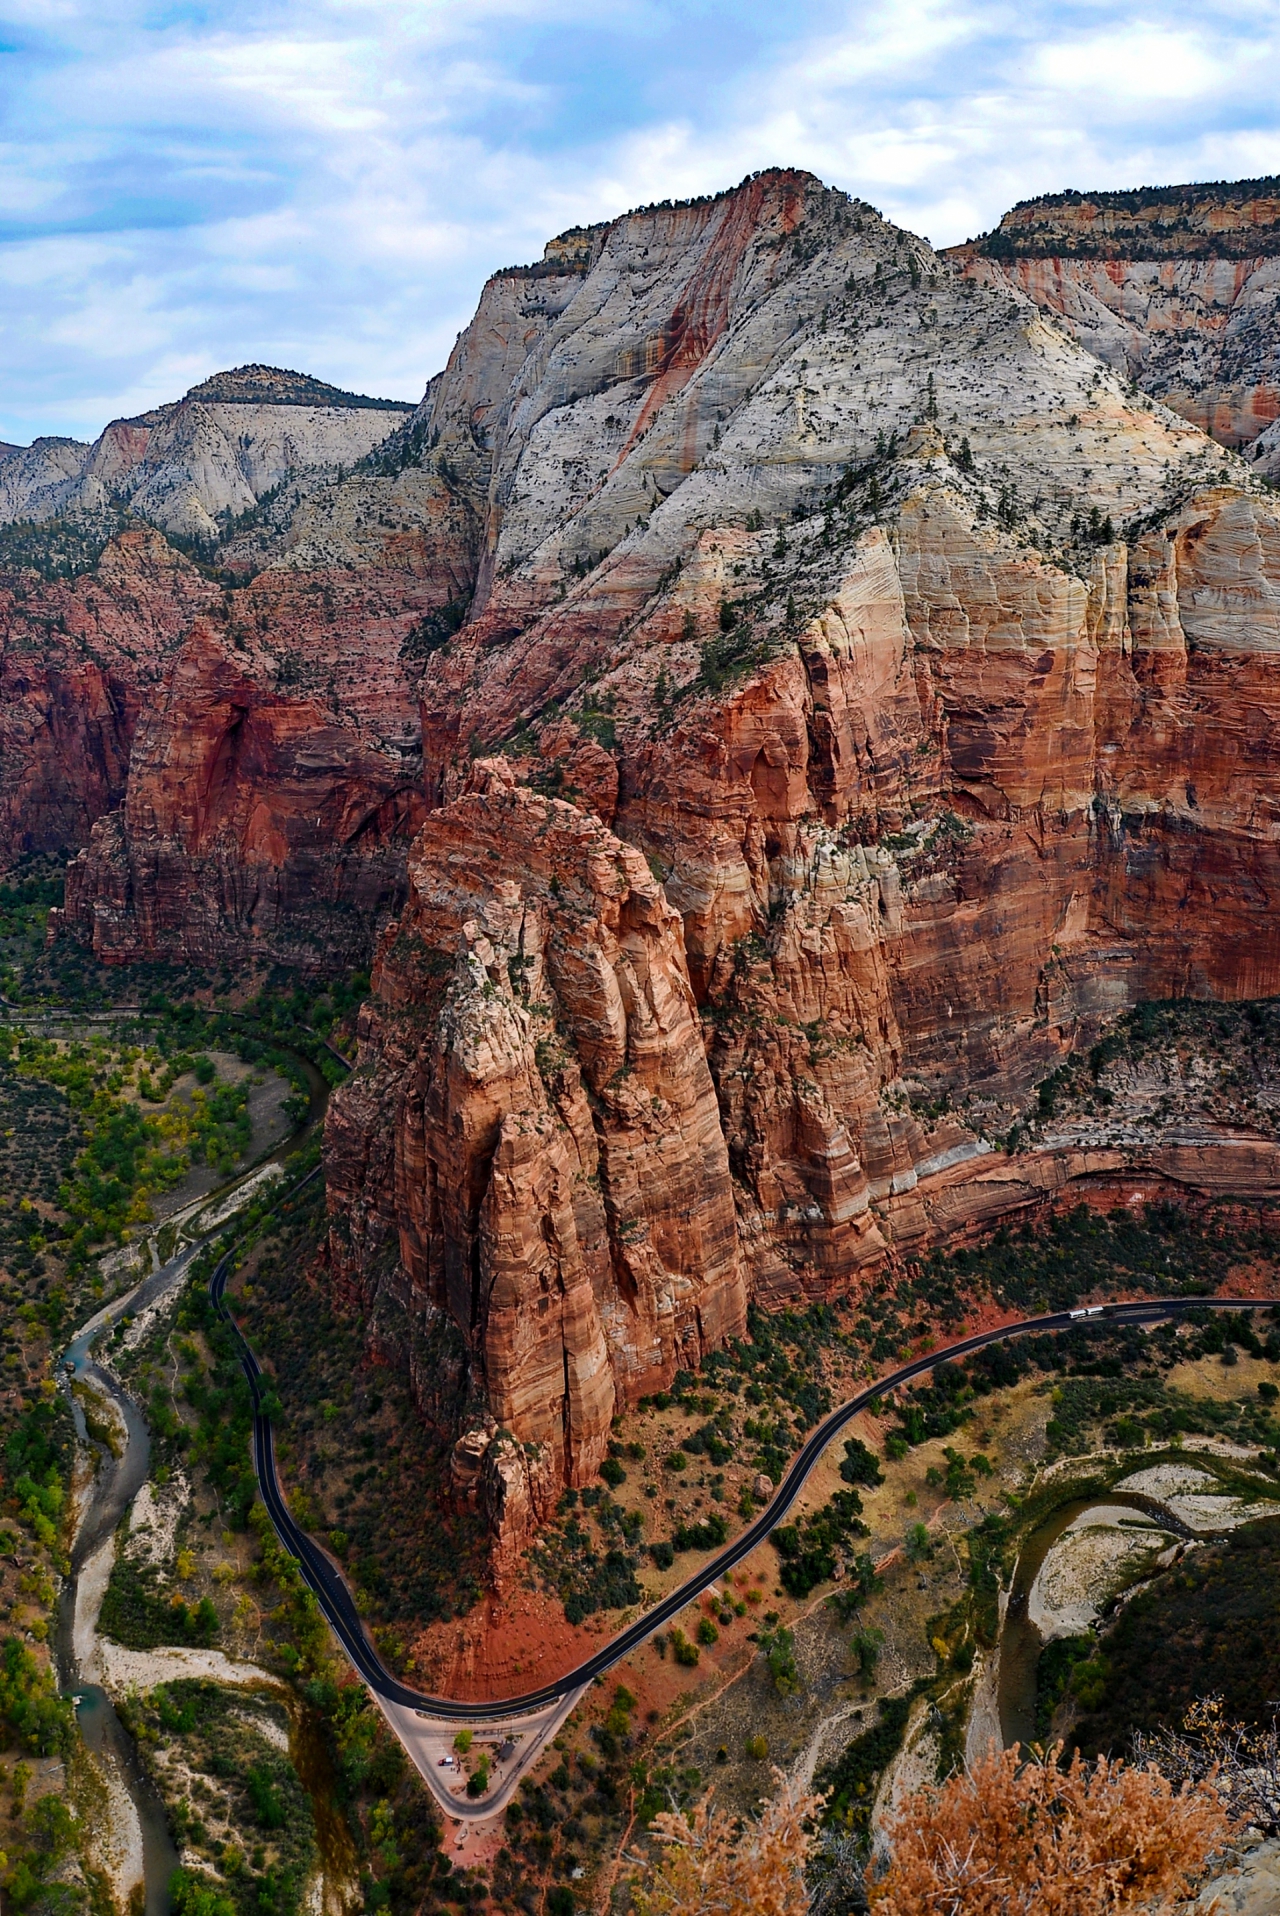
[713, 1864]
[1013, 1838]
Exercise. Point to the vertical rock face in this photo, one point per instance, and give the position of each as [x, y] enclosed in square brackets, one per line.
[274, 783]
[551, 1159]
[1177, 287]
[79, 660]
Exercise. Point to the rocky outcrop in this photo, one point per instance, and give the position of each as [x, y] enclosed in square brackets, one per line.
[534, 1119]
[1177, 288]
[938, 769]
[193, 467]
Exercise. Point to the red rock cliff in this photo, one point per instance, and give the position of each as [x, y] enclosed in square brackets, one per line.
[862, 696]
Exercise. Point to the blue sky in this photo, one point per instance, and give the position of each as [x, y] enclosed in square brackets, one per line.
[325, 185]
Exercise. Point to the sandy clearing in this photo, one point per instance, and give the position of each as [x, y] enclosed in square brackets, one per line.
[124, 1670]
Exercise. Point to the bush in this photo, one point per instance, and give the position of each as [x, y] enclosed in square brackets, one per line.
[860, 1465]
[195, 1895]
[779, 1647]
[917, 1543]
[701, 1536]
[866, 1645]
[812, 1549]
[613, 1473]
[264, 1794]
[29, 1702]
[684, 1652]
[757, 1748]
[1008, 1834]
[707, 1632]
[708, 1861]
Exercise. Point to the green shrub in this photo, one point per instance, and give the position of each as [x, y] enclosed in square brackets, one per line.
[860, 1465]
[917, 1543]
[778, 1647]
[41, 1720]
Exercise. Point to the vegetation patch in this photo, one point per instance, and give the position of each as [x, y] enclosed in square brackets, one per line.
[139, 1614]
[1210, 1625]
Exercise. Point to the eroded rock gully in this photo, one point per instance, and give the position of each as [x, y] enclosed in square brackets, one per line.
[861, 696]
[976, 806]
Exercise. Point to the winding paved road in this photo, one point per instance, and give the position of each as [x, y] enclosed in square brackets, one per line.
[336, 1601]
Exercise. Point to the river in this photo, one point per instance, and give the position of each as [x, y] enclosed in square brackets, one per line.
[1020, 1641]
[113, 1488]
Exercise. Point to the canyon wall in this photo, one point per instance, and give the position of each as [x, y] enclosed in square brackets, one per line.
[935, 681]
[817, 693]
[1176, 287]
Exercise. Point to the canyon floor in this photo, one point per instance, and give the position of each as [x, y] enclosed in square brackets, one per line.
[856, 1655]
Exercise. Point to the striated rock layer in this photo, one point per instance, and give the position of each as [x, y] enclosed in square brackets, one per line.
[274, 782]
[829, 616]
[1177, 287]
[822, 693]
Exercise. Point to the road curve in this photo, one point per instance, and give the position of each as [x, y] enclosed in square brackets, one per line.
[339, 1608]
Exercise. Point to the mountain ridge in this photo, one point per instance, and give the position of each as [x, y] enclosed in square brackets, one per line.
[776, 696]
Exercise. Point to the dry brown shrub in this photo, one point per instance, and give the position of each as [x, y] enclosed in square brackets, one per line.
[1006, 1838]
[712, 1864]
[1242, 1759]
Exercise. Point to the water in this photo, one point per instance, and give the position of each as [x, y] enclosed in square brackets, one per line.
[116, 1484]
[105, 1735]
[1020, 1641]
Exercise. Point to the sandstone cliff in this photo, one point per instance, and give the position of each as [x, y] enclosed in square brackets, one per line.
[194, 466]
[1176, 287]
[822, 693]
[274, 780]
[533, 1131]
[821, 602]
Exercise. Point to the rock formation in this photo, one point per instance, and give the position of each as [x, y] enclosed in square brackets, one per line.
[1176, 287]
[194, 467]
[533, 1133]
[821, 603]
[822, 693]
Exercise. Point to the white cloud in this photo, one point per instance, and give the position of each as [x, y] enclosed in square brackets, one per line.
[1136, 64]
[327, 182]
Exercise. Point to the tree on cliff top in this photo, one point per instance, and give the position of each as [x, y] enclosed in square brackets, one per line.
[713, 1865]
[1001, 1840]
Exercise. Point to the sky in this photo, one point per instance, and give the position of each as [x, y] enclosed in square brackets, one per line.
[325, 184]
